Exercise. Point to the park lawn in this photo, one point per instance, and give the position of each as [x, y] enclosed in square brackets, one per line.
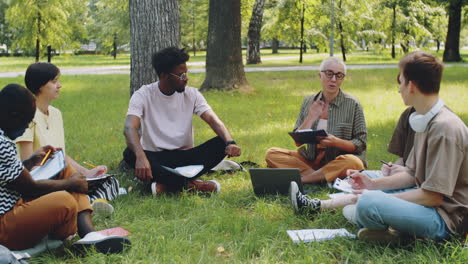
[285, 57]
[235, 226]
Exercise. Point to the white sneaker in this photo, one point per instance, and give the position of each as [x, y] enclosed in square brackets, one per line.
[103, 244]
[102, 208]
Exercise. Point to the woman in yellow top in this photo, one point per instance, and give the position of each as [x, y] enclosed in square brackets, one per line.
[42, 79]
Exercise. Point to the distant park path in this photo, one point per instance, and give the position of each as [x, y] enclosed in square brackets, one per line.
[125, 69]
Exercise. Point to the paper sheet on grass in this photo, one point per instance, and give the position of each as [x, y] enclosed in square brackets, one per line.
[310, 235]
[51, 167]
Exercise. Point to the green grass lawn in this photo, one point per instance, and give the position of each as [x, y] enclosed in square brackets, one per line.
[19, 64]
[236, 226]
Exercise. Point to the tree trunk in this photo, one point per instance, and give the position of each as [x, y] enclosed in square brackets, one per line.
[38, 37]
[114, 53]
[224, 68]
[342, 45]
[393, 31]
[438, 45]
[302, 33]
[154, 25]
[275, 45]
[452, 43]
[253, 36]
[49, 54]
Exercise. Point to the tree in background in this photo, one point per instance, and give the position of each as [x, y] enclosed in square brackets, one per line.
[370, 33]
[154, 25]
[194, 24]
[6, 35]
[452, 42]
[288, 21]
[224, 67]
[110, 26]
[41, 23]
[253, 35]
[348, 23]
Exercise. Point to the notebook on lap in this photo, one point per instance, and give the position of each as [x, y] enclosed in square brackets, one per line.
[274, 181]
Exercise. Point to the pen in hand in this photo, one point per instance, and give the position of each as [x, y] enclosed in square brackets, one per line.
[351, 176]
[386, 163]
[89, 164]
[45, 157]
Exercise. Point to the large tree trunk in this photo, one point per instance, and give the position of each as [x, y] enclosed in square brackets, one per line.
[255, 26]
[452, 43]
[224, 68]
[154, 25]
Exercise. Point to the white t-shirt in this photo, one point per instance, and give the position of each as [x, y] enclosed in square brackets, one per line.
[166, 121]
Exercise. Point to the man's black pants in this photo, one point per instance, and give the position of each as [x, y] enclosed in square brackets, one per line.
[208, 154]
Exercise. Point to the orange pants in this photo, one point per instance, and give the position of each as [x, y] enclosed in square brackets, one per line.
[285, 158]
[30, 220]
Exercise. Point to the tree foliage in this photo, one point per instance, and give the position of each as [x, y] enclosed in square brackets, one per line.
[194, 24]
[41, 23]
[110, 24]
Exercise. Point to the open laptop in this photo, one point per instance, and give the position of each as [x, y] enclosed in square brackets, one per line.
[274, 181]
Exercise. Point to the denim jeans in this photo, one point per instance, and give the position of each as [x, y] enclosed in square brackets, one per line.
[379, 210]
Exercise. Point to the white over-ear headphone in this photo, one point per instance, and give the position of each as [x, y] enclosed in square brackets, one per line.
[419, 122]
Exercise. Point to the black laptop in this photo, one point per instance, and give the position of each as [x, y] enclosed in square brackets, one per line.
[274, 181]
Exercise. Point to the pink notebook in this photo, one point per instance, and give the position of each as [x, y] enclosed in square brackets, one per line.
[116, 231]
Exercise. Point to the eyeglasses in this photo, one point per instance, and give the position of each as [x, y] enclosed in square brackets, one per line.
[182, 76]
[338, 75]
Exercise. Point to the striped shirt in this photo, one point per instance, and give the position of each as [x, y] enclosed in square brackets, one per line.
[345, 121]
[10, 169]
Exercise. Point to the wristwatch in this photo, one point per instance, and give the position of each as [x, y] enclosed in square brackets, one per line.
[232, 142]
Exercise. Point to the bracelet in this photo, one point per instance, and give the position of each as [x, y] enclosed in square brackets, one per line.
[232, 142]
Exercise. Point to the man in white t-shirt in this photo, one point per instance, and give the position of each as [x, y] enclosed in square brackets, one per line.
[163, 112]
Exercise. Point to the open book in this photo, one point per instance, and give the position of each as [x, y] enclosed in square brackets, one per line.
[51, 167]
[309, 136]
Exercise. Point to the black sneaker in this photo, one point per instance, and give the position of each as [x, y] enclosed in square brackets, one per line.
[300, 202]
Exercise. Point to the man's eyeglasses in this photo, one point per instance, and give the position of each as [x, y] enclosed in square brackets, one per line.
[338, 75]
[182, 76]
